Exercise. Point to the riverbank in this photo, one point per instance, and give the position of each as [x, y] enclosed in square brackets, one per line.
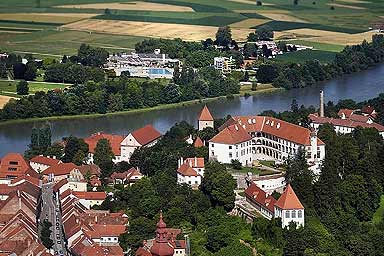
[267, 88]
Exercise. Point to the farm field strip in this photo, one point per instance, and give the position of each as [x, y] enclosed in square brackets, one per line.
[151, 29]
[144, 6]
[46, 17]
[347, 6]
[248, 23]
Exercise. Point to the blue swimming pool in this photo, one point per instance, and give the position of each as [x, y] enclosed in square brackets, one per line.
[159, 71]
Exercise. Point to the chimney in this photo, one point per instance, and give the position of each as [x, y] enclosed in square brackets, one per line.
[96, 219]
[195, 161]
[321, 103]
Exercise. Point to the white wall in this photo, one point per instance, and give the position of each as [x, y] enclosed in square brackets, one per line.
[205, 124]
[288, 216]
[37, 167]
[191, 180]
[272, 184]
[224, 153]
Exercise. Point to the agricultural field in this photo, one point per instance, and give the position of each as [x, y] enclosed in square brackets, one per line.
[59, 27]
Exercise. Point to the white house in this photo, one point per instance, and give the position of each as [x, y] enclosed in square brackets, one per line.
[89, 199]
[190, 171]
[289, 208]
[231, 143]
[41, 163]
[143, 137]
[259, 199]
[249, 138]
[205, 119]
[270, 183]
[126, 178]
[224, 64]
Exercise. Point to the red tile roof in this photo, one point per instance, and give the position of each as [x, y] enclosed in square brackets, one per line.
[359, 118]
[13, 165]
[94, 182]
[126, 175]
[146, 135]
[259, 196]
[187, 170]
[205, 115]
[347, 112]
[92, 169]
[114, 140]
[198, 142]
[232, 134]
[45, 160]
[288, 200]
[100, 230]
[26, 177]
[344, 122]
[60, 169]
[90, 195]
[367, 110]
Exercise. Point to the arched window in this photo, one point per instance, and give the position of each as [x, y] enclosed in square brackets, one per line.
[287, 214]
[300, 214]
[293, 214]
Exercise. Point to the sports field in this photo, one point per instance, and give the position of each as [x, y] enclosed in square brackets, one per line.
[59, 27]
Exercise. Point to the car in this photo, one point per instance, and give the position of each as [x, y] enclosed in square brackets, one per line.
[58, 242]
[57, 227]
[57, 224]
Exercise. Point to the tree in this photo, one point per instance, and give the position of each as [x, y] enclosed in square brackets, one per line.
[267, 73]
[30, 71]
[92, 56]
[295, 244]
[19, 70]
[22, 88]
[218, 237]
[45, 233]
[264, 33]
[295, 2]
[103, 157]
[259, 3]
[301, 177]
[219, 186]
[74, 147]
[223, 36]
[125, 73]
[236, 164]
[294, 106]
[250, 50]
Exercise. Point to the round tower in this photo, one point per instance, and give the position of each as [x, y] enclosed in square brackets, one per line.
[160, 246]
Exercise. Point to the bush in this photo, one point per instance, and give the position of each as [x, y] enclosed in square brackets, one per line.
[254, 86]
[236, 164]
[259, 3]
[22, 88]
[247, 94]
[230, 97]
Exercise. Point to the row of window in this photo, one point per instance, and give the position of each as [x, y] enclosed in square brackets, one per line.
[292, 214]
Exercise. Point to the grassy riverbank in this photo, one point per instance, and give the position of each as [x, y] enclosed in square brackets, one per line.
[261, 89]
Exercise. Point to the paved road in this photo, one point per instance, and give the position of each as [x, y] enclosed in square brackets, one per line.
[51, 211]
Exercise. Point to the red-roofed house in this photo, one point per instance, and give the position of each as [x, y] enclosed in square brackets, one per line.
[249, 138]
[205, 119]
[198, 143]
[127, 178]
[146, 136]
[114, 140]
[345, 113]
[260, 200]
[289, 208]
[369, 111]
[68, 171]
[187, 174]
[89, 199]
[12, 166]
[41, 163]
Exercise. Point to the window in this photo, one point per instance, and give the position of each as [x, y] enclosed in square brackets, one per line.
[293, 214]
[300, 214]
[230, 147]
[213, 145]
[287, 214]
[230, 155]
[213, 153]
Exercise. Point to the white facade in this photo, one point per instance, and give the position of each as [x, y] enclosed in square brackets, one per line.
[225, 153]
[287, 216]
[179, 252]
[90, 160]
[204, 124]
[88, 203]
[129, 145]
[191, 180]
[38, 167]
[340, 129]
[271, 183]
[107, 240]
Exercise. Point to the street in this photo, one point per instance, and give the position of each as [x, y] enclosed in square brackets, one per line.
[51, 211]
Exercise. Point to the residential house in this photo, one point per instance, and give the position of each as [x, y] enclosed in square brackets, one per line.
[126, 178]
[146, 136]
[41, 163]
[68, 171]
[190, 171]
[12, 166]
[114, 141]
[259, 199]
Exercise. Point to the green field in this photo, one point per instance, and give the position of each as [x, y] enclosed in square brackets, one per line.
[44, 36]
[304, 55]
[8, 88]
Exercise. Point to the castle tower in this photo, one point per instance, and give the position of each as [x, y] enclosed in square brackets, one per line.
[205, 119]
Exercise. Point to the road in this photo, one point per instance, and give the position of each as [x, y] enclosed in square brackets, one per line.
[51, 211]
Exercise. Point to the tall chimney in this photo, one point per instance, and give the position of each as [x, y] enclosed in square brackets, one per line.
[321, 103]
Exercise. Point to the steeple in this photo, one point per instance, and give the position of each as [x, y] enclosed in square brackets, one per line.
[160, 246]
[205, 118]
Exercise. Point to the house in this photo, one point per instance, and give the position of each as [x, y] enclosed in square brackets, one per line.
[198, 142]
[126, 178]
[205, 119]
[12, 166]
[146, 136]
[41, 163]
[345, 126]
[369, 111]
[259, 199]
[289, 208]
[114, 140]
[190, 171]
[90, 170]
[66, 184]
[68, 171]
[89, 199]
[249, 138]
[164, 244]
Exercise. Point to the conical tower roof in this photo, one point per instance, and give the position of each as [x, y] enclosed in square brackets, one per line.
[205, 115]
[289, 200]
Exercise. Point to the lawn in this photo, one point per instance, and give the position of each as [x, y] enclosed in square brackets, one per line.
[8, 88]
[305, 55]
[379, 214]
[319, 46]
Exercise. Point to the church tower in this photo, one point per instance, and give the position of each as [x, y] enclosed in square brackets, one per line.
[205, 119]
[160, 246]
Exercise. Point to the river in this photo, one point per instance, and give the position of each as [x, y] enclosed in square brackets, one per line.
[359, 86]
